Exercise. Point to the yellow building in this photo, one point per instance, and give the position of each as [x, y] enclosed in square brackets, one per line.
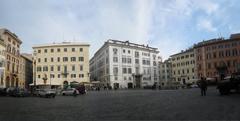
[2, 63]
[61, 64]
[12, 55]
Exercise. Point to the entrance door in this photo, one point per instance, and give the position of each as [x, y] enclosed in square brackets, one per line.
[116, 85]
[130, 85]
[138, 81]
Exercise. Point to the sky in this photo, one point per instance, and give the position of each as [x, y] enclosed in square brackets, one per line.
[169, 25]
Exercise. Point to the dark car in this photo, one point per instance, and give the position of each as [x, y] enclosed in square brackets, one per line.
[228, 84]
[3, 91]
[81, 89]
[19, 92]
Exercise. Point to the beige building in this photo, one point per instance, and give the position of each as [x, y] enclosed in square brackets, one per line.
[61, 64]
[26, 68]
[12, 55]
[165, 73]
[2, 63]
[183, 67]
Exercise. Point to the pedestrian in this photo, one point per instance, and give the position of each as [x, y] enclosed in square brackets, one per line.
[75, 93]
[203, 86]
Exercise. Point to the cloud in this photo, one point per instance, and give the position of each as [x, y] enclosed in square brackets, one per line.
[168, 25]
[205, 24]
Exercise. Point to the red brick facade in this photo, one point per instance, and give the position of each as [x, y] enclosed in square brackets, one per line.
[217, 58]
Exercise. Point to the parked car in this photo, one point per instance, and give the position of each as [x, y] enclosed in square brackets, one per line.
[20, 92]
[81, 89]
[70, 91]
[228, 84]
[194, 86]
[3, 91]
[48, 93]
[36, 92]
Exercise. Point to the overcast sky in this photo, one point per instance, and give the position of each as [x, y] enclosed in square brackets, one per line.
[170, 25]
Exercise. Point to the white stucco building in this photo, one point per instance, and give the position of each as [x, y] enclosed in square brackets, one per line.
[165, 72]
[121, 64]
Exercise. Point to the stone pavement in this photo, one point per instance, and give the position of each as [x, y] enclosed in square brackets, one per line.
[186, 104]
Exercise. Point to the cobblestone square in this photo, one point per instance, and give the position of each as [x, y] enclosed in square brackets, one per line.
[184, 104]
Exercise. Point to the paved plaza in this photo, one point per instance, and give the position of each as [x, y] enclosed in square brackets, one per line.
[186, 104]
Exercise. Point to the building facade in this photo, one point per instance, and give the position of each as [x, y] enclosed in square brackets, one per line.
[183, 67]
[12, 55]
[2, 63]
[27, 68]
[165, 73]
[218, 58]
[121, 64]
[61, 64]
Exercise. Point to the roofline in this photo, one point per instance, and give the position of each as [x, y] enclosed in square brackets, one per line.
[186, 51]
[12, 34]
[26, 57]
[108, 43]
[61, 44]
[215, 42]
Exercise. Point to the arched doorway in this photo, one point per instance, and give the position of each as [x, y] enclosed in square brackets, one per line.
[130, 85]
[7, 81]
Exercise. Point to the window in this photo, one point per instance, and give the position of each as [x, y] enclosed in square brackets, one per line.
[59, 50]
[65, 49]
[129, 60]
[81, 75]
[52, 68]
[136, 61]
[58, 59]
[136, 54]
[39, 76]
[73, 75]
[129, 51]
[59, 76]
[115, 51]
[73, 67]
[123, 50]
[129, 70]
[73, 59]
[39, 51]
[39, 68]
[73, 49]
[51, 59]
[52, 76]
[52, 50]
[115, 59]
[115, 70]
[209, 65]
[59, 68]
[81, 67]
[124, 60]
[65, 68]
[81, 49]
[45, 50]
[124, 70]
[39, 60]
[81, 58]
[65, 59]
[45, 59]
[45, 68]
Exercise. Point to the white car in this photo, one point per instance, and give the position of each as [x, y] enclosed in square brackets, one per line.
[70, 91]
[194, 86]
[47, 93]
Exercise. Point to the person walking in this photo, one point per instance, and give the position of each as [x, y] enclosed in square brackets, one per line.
[203, 86]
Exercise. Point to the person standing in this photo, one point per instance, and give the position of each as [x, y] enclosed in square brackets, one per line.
[203, 86]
